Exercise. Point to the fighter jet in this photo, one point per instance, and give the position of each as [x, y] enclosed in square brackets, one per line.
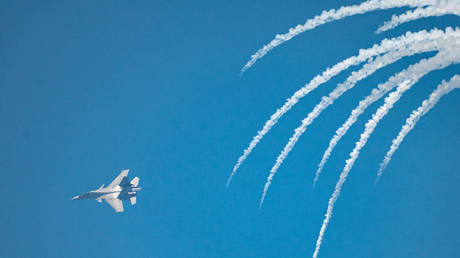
[120, 189]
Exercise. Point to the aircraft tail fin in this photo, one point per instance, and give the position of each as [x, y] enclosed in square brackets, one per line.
[135, 181]
[132, 200]
[102, 186]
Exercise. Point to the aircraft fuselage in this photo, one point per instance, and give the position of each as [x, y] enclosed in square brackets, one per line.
[123, 193]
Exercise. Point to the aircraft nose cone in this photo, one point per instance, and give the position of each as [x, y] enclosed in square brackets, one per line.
[76, 197]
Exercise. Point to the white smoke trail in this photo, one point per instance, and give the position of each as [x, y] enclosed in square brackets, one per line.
[444, 58]
[341, 89]
[294, 99]
[442, 89]
[325, 102]
[440, 9]
[364, 54]
[451, 37]
[333, 15]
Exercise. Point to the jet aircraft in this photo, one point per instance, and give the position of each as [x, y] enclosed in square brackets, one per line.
[120, 189]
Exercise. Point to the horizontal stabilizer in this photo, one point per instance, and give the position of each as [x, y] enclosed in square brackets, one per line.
[135, 182]
[132, 200]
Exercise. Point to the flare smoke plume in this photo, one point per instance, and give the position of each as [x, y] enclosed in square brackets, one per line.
[446, 44]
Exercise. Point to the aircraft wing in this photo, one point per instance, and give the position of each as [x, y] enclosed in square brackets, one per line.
[116, 204]
[121, 177]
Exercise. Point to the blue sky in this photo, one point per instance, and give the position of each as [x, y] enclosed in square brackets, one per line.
[92, 87]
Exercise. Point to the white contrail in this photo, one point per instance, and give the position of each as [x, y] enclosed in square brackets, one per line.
[367, 69]
[440, 9]
[443, 89]
[445, 58]
[333, 15]
[450, 37]
[364, 54]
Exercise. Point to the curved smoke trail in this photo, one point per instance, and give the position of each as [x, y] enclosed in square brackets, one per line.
[449, 38]
[387, 52]
[441, 60]
[350, 82]
[385, 46]
[443, 89]
[443, 8]
[333, 15]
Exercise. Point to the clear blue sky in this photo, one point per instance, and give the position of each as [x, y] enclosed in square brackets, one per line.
[92, 87]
